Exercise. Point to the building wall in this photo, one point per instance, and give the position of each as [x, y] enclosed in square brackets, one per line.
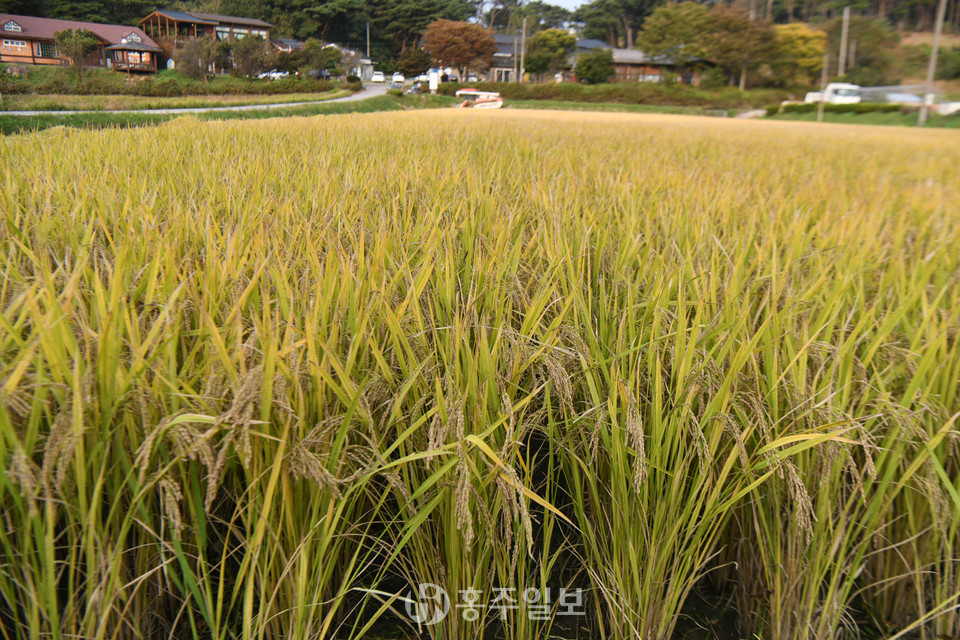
[625, 72]
[31, 52]
[16, 49]
[498, 74]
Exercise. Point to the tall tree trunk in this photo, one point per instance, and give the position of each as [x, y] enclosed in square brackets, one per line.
[882, 9]
[743, 78]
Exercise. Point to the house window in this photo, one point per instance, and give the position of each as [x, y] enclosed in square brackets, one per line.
[12, 26]
[223, 33]
[48, 50]
[14, 43]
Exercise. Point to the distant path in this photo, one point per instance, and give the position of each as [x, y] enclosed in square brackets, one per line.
[368, 91]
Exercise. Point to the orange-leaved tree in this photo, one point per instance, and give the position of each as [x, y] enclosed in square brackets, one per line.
[462, 45]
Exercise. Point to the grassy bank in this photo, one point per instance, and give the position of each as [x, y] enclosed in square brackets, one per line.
[896, 119]
[57, 80]
[25, 124]
[647, 93]
[614, 107]
[120, 103]
[257, 380]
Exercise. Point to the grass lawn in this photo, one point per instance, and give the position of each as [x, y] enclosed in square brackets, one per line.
[52, 102]
[888, 119]
[612, 107]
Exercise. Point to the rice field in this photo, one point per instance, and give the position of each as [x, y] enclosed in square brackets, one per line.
[264, 379]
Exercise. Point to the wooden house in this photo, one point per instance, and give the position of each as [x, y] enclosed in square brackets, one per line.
[172, 29]
[29, 40]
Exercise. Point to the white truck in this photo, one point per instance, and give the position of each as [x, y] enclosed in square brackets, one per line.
[836, 93]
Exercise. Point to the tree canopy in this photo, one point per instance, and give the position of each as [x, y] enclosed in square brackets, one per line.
[458, 44]
[594, 66]
[736, 43]
[676, 31]
[799, 56]
[75, 45]
[549, 50]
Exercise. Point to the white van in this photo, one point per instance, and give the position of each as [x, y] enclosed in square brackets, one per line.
[836, 93]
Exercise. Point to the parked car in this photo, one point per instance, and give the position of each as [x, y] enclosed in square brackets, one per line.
[398, 78]
[902, 98]
[378, 77]
[836, 93]
[273, 74]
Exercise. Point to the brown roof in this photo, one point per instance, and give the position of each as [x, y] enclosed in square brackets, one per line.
[44, 28]
[253, 22]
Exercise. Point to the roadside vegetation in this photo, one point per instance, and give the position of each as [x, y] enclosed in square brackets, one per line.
[649, 93]
[49, 80]
[108, 120]
[257, 380]
[122, 103]
[897, 118]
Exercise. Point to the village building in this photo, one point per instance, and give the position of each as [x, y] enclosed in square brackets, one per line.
[633, 65]
[172, 29]
[29, 40]
[506, 59]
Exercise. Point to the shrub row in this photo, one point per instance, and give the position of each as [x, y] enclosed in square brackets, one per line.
[862, 107]
[629, 93]
[163, 84]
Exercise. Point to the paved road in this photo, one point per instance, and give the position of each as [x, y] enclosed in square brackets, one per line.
[369, 91]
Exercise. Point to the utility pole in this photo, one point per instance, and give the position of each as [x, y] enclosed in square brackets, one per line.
[823, 86]
[368, 40]
[841, 65]
[523, 49]
[516, 59]
[932, 68]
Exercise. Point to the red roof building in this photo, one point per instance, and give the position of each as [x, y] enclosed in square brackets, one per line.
[29, 40]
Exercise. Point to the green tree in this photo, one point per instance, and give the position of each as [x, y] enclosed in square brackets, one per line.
[461, 45]
[405, 20]
[413, 62]
[75, 45]
[548, 51]
[321, 56]
[738, 44]
[676, 31]
[799, 56]
[873, 55]
[539, 15]
[112, 11]
[249, 55]
[197, 57]
[615, 21]
[595, 66]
